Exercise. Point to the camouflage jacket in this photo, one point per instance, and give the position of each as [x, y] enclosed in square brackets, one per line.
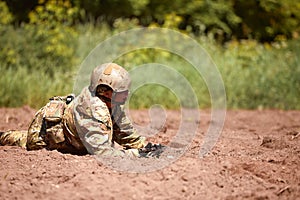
[89, 122]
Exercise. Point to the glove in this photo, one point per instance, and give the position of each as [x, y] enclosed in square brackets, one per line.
[151, 150]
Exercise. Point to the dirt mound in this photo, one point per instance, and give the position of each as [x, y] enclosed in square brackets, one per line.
[256, 157]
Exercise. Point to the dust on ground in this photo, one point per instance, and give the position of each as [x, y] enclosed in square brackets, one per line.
[256, 157]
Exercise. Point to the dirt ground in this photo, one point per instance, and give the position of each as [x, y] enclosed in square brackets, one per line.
[257, 156]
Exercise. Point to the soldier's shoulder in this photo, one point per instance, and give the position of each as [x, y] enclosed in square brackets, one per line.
[100, 111]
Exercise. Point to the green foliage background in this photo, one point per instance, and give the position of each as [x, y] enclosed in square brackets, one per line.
[255, 45]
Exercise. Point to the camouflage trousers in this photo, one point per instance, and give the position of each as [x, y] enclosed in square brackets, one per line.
[30, 139]
[14, 138]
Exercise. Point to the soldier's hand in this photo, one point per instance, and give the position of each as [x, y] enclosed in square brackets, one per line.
[151, 150]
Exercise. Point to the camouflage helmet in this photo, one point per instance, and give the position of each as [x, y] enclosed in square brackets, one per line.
[112, 75]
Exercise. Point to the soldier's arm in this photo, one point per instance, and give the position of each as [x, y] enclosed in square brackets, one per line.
[96, 136]
[126, 135]
[99, 144]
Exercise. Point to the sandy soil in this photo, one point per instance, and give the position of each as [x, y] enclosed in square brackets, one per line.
[256, 157]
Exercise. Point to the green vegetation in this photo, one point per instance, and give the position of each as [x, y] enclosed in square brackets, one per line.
[262, 76]
[42, 49]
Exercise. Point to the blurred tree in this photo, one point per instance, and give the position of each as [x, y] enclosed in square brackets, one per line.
[5, 16]
[199, 16]
[257, 19]
[46, 42]
[106, 10]
[21, 8]
[211, 16]
[266, 19]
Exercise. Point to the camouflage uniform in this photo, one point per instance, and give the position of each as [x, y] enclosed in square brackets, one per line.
[84, 125]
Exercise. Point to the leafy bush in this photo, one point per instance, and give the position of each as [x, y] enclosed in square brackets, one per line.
[51, 24]
[37, 59]
[261, 76]
[47, 42]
